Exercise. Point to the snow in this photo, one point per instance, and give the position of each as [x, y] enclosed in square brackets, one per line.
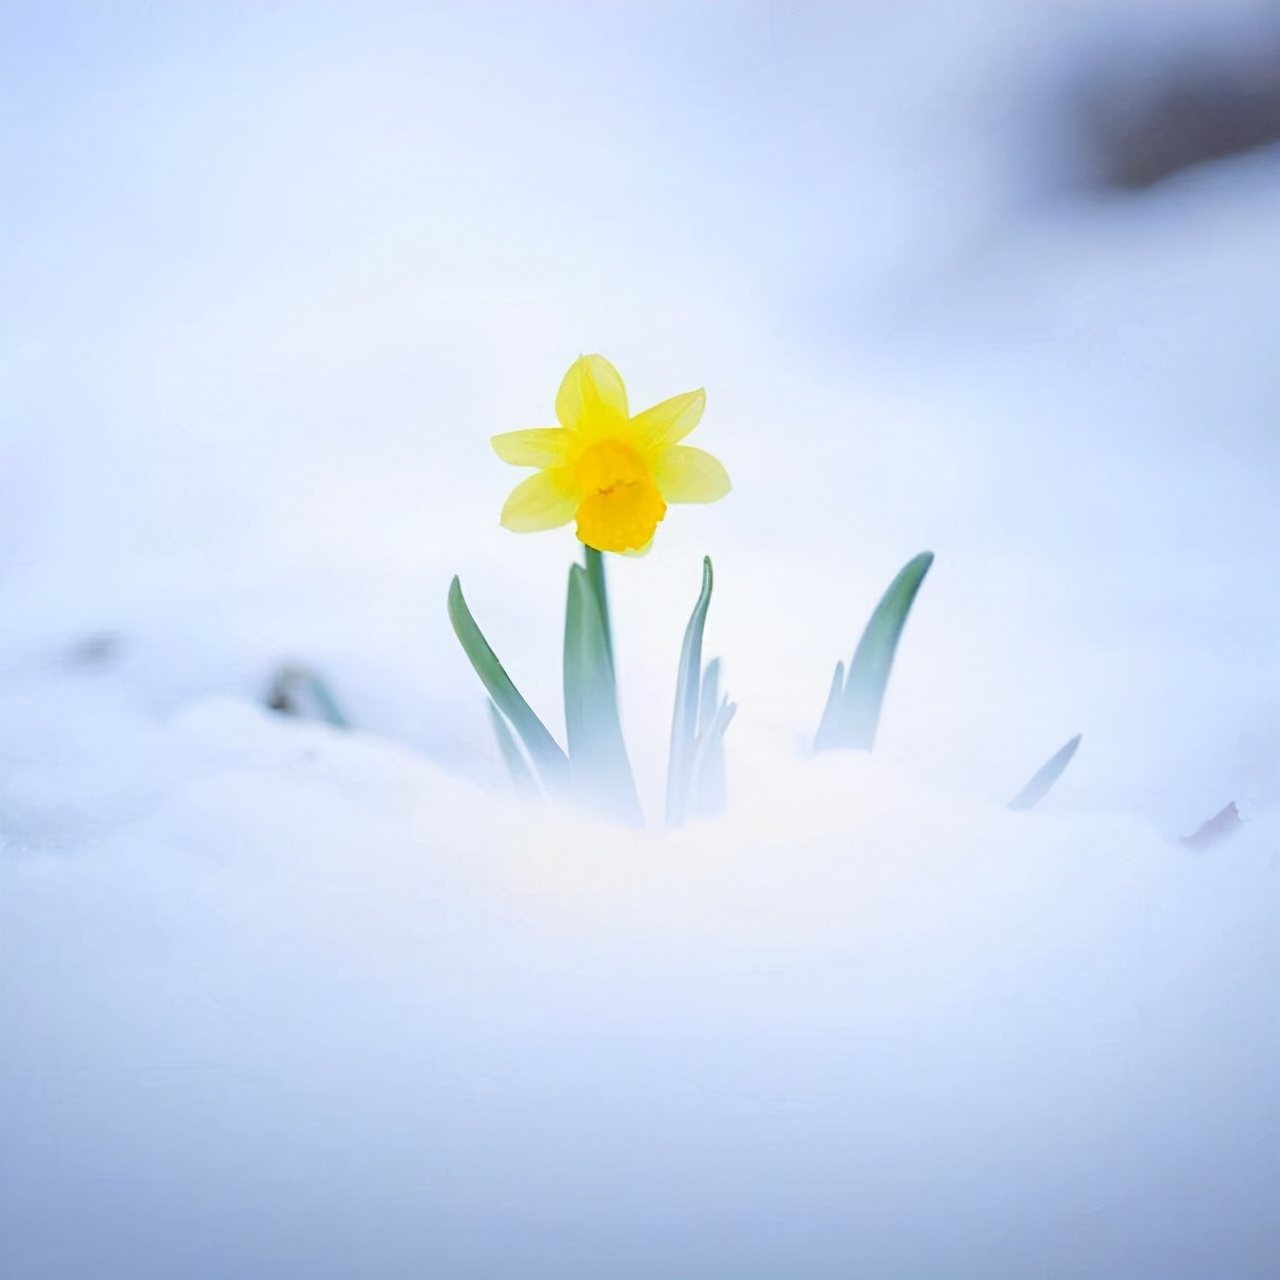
[277, 1000]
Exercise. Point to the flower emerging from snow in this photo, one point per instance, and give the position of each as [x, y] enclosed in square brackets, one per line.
[612, 472]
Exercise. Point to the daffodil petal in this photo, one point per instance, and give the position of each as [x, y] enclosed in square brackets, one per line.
[684, 474]
[669, 422]
[592, 399]
[537, 447]
[544, 501]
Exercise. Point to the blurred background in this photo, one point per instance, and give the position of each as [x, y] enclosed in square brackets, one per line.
[996, 279]
[999, 279]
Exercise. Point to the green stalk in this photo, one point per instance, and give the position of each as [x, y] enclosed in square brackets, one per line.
[595, 576]
[598, 763]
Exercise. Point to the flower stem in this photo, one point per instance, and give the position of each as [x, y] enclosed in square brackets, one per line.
[595, 575]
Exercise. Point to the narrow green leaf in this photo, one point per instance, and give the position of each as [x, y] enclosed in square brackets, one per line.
[1047, 775]
[709, 698]
[828, 730]
[287, 696]
[544, 751]
[859, 713]
[521, 776]
[327, 704]
[707, 795]
[684, 720]
[598, 763]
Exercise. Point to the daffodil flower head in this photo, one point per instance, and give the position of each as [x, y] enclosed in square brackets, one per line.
[611, 472]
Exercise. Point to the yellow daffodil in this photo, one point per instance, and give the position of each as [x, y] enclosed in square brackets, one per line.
[612, 472]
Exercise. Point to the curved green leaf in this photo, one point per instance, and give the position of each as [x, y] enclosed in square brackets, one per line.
[521, 776]
[707, 793]
[684, 720]
[827, 726]
[544, 751]
[709, 697]
[852, 720]
[1046, 776]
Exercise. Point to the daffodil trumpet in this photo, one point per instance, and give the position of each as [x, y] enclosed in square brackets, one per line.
[613, 474]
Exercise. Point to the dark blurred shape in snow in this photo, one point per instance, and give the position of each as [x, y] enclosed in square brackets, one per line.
[1144, 118]
[299, 691]
[96, 650]
[1217, 829]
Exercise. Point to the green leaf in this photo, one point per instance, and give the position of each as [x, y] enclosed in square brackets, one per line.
[827, 731]
[707, 794]
[598, 764]
[521, 776]
[1046, 776]
[327, 704]
[287, 696]
[853, 722]
[684, 720]
[709, 698]
[544, 751]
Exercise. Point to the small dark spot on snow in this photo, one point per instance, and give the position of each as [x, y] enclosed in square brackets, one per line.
[280, 695]
[297, 690]
[1143, 119]
[99, 649]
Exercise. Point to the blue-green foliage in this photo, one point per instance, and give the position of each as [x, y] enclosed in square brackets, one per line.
[1045, 776]
[526, 784]
[708, 792]
[595, 772]
[551, 763]
[598, 767]
[852, 713]
[695, 769]
[300, 691]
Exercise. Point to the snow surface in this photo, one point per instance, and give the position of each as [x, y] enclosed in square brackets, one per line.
[279, 1001]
